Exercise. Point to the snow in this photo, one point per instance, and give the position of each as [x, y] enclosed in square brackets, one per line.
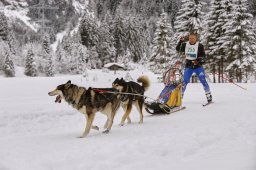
[80, 6]
[19, 71]
[20, 14]
[37, 133]
[59, 38]
[111, 64]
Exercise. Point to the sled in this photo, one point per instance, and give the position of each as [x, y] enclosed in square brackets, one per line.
[159, 109]
[169, 100]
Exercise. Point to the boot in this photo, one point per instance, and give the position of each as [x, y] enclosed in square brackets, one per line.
[209, 97]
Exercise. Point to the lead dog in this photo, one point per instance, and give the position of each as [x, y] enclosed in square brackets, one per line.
[88, 102]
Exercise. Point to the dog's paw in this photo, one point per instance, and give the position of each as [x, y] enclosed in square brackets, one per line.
[121, 124]
[95, 128]
[82, 136]
[106, 131]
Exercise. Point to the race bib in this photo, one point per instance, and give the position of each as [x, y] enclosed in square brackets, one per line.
[191, 51]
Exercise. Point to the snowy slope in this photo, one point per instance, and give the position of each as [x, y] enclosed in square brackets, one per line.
[38, 134]
[14, 10]
[17, 10]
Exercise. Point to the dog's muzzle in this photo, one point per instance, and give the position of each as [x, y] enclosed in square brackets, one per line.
[54, 93]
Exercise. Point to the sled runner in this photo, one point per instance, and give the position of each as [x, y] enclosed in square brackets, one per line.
[169, 100]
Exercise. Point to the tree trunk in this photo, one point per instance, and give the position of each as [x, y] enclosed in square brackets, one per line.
[239, 75]
[246, 75]
[214, 71]
[222, 70]
[219, 70]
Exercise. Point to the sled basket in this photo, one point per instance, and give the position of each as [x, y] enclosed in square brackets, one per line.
[173, 78]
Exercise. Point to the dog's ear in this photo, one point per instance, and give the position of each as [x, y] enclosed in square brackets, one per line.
[116, 80]
[67, 85]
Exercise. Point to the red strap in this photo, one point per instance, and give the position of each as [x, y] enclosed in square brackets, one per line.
[100, 91]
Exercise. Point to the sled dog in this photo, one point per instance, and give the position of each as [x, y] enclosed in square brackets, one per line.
[88, 102]
[127, 100]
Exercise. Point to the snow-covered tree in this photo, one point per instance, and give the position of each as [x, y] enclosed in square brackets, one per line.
[118, 31]
[252, 7]
[30, 67]
[64, 58]
[8, 67]
[134, 37]
[88, 30]
[105, 47]
[49, 67]
[161, 54]
[243, 42]
[93, 61]
[46, 44]
[189, 18]
[82, 57]
[47, 57]
[218, 17]
[215, 28]
[3, 27]
[224, 41]
[44, 55]
[3, 48]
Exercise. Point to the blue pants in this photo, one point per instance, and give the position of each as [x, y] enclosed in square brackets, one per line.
[200, 74]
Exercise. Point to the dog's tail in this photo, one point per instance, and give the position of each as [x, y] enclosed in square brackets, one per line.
[145, 82]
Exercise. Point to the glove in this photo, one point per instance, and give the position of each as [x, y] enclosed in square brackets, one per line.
[201, 60]
[195, 62]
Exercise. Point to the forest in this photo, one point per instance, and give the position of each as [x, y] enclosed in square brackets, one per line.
[69, 37]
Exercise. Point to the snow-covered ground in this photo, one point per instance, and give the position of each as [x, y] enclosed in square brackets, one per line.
[37, 133]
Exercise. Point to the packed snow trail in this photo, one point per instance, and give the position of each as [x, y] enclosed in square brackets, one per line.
[37, 133]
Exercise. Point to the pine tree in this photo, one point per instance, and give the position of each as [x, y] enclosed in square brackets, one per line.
[189, 18]
[93, 61]
[3, 27]
[88, 30]
[105, 47]
[50, 67]
[161, 45]
[134, 37]
[243, 42]
[46, 44]
[118, 31]
[46, 57]
[61, 58]
[3, 46]
[8, 67]
[30, 67]
[252, 7]
[218, 16]
[82, 58]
